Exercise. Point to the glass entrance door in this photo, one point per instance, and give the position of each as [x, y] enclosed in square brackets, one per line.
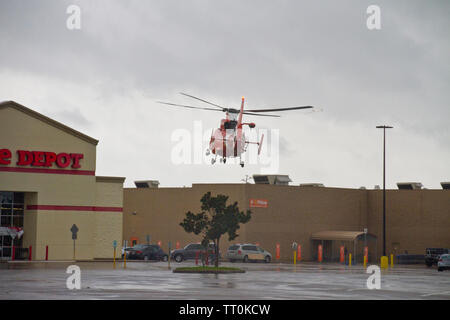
[11, 215]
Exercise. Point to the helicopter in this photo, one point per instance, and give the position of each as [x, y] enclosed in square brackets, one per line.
[229, 141]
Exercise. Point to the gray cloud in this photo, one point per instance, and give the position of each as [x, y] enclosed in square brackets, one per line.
[129, 54]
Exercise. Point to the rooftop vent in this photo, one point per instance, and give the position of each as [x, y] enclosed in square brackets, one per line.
[278, 179]
[312, 185]
[147, 184]
[409, 185]
[445, 185]
[377, 187]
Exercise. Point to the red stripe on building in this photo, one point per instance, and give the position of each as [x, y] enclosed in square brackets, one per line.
[73, 208]
[52, 171]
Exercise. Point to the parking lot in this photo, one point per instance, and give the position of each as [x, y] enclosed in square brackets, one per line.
[153, 280]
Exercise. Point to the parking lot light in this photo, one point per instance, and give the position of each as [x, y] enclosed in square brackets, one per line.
[384, 185]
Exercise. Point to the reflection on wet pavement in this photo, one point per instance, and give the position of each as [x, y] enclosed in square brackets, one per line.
[143, 280]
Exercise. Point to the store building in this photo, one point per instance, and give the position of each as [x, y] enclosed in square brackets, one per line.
[47, 185]
[309, 214]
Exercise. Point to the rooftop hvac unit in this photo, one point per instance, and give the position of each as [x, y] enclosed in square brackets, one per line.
[277, 179]
[147, 184]
[409, 185]
[445, 185]
[312, 185]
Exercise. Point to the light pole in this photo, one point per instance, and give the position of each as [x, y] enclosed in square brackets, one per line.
[384, 185]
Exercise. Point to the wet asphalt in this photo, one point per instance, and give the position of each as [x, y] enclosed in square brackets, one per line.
[153, 280]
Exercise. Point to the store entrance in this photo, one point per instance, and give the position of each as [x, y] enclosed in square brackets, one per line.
[11, 223]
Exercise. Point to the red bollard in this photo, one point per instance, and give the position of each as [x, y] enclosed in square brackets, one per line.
[13, 255]
[196, 258]
[277, 251]
[29, 253]
[342, 254]
[46, 253]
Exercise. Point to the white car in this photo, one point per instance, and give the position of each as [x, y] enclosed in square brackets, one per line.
[444, 262]
[248, 252]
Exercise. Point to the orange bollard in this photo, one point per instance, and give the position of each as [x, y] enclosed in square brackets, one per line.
[342, 254]
[177, 246]
[299, 253]
[319, 253]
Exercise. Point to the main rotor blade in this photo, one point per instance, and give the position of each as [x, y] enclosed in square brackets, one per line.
[279, 109]
[190, 107]
[213, 104]
[262, 115]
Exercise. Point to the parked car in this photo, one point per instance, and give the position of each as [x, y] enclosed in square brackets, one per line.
[444, 262]
[248, 252]
[146, 252]
[193, 251]
[432, 255]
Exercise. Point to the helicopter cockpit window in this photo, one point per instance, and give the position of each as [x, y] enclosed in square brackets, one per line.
[230, 124]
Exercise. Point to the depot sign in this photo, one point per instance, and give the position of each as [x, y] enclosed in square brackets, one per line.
[42, 158]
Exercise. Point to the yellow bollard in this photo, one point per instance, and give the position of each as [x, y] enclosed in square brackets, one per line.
[392, 260]
[384, 262]
[295, 258]
[365, 262]
[350, 260]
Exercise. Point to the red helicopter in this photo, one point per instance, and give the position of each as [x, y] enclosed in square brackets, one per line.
[229, 140]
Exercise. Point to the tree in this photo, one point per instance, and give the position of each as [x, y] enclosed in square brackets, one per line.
[215, 219]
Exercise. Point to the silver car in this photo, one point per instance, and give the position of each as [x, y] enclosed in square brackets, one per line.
[444, 262]
[248, 252]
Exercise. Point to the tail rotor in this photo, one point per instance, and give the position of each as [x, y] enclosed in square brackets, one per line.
[260, 144]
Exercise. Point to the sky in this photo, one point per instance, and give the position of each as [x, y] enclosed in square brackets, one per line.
[104, 79]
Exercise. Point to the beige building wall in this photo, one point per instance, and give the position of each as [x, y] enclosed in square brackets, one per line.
[416, 219]
[158, 212]
[108, 225]
[53, 229]
[294, 213]
[50, 196]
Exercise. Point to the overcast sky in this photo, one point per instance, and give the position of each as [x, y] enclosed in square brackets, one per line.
[104, 79]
